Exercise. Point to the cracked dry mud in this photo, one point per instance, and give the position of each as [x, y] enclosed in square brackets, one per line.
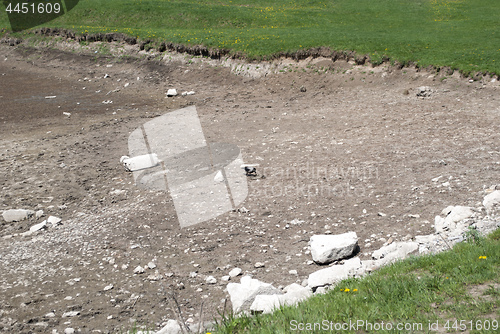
[342, 148]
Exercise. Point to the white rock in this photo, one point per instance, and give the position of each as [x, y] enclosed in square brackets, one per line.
[243, 294]
[151, 265]
[38, 227]
[333, 274]
[39, 214]
[235, 272]
[69, 330]
[426, 239]
[328, 248]
[140, 162]
[108, 287]
[155, 277]
[453, 215]
[219, 177]
[16, 215]
[225, 278]
[259, 265]
[424, 91]
[139, 270]
[394, 251]
[492, 200]
[211, 280]
[70, 314]
[437, 178]
[321, 290]
[292, 272]
[171, 92]
[54, 220]
[172, 327]
[268, 303]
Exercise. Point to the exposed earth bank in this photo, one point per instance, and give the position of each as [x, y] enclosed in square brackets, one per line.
[340, 147]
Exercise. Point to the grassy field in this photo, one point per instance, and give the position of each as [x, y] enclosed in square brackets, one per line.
[462, 34]
[450, 291]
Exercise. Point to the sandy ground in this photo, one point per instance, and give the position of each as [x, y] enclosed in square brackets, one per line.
[340, 147]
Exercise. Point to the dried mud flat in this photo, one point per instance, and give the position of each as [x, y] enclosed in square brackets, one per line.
[342, 148]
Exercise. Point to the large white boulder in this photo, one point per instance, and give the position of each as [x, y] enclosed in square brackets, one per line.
[243, 294]
[334, 274]
[328, 248]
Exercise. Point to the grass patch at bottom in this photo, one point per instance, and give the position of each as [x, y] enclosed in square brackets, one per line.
[444, 292]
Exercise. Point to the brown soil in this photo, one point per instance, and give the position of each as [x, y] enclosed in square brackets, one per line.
[358, 135]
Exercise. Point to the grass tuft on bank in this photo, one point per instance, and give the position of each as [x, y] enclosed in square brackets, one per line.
[460, 34]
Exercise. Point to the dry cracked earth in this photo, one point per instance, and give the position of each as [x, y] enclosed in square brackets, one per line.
[340, 148]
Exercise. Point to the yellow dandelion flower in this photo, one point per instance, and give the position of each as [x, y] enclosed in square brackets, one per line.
[354, 290]
[347, 290]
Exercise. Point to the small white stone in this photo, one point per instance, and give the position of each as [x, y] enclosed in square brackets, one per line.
[151, 265]
[219, 177]
[292, 272]
[39, 214]
[38, 227]
[235, 272]
[259, 265]
[139, 270]
[211, 280]
[108, 287]
[70, 314]
[69, 330]
[171, 92]
[54, 220]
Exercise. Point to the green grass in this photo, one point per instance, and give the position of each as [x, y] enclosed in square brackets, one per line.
[461, 34]
[457, 284]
